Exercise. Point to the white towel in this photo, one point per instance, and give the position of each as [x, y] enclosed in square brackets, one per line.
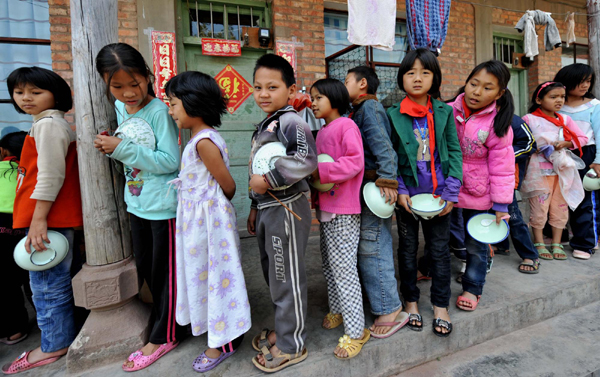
[372, 23]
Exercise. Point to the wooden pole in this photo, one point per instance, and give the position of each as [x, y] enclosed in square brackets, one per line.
[593, 10]
[106, 226]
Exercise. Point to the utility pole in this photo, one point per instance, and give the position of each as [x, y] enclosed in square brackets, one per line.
[593, 10]
[108, 283]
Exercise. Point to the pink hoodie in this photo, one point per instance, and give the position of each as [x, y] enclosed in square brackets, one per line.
[488, 160]
[341, 140]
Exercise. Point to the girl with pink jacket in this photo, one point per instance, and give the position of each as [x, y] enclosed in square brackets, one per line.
[338, 211]
[483, 115]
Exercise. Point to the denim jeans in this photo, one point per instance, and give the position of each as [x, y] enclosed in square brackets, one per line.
[437, 236]
[376, 263]
[519, 233]
[457, 233]
[53, 300]
[477, 257]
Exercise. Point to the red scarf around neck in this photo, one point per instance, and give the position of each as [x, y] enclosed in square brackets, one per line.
[413, 109]
[560, 122]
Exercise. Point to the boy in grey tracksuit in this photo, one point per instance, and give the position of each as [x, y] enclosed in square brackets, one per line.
[282, 238]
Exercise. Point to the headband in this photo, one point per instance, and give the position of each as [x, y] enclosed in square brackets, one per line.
[537, 95]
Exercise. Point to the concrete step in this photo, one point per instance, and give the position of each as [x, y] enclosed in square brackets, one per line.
[511, 301]
[565, 345]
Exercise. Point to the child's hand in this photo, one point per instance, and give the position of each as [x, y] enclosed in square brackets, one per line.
[251, 225]
[405, 202]
[447, 209]
[596, 168]
[315, 175]
[38, 233]
[391, 195]
[106, 144]
[563, 144]
[258, 184]
[501, 216]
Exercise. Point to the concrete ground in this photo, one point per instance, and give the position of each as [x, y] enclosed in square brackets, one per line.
[511, 301]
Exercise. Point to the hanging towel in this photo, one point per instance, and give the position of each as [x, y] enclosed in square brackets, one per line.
[372, 23]
[427, 23]
[570, 20]
[527, 24]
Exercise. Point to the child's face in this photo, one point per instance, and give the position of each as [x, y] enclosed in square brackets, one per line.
[321, 106]
[552, 101]
[355, 87]
[481, 90]
[177, 112]
[417, 81]
[270, 91]
[33, 100]
[582, 88]
[132, 89]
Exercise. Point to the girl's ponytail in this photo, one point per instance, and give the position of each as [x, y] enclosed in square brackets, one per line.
[506, 109]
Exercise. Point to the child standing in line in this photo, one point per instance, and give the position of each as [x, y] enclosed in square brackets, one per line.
[15, 326]
[583, 108]
[483, 115]
[147, 148]
[48, 197]
[375, 250]
[429, 161]
[211, 291]
[275, 227]
[338, 211]
[552, 182]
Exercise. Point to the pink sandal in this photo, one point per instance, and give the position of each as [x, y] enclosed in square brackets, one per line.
[472, 302]
[140, 361]
[21, 364]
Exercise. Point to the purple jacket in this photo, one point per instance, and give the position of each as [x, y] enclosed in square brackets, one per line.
[488, 160]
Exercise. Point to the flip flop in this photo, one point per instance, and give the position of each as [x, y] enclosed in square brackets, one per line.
[204, 363]
[399, 322]
[334, 321]
[352, 346]
[140, 361]
[21, 364]
[417, 318]
[535, 265]
[438, 322]
[581, 255]
[9, 342]
[472, 302]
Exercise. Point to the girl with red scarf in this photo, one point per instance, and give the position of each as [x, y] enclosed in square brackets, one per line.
[552, 186]
[429, 161]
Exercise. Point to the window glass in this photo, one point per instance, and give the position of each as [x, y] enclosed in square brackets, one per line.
[204, 24]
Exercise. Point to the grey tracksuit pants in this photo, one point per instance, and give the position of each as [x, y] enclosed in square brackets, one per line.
[282, 241]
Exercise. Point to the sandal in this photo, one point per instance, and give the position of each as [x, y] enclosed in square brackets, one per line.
[204, 363]
[467, 308]
[416, 318]
[543, 252]
[140, 361]
[535, 265]
[438, 322]
[21, 364]
[9, 342]
[581, 254]
[558, 249]
[262, 340]
[353, 346]
[399, 322]
[334, 321]
[277, 363]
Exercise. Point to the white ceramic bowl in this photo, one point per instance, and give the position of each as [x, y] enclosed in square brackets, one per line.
[376, 202]
[591, 182]
[265, 157]
[39, 261]
[426, 206]
[483, 228]
[323, 157]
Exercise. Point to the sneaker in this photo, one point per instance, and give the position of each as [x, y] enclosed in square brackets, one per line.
[489, 265]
